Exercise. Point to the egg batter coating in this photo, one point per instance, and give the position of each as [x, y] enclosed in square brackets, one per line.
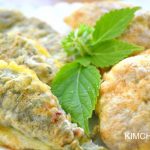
[15, 22]
[29, 107]
[32, 54]
[124, 106]
[138, 32]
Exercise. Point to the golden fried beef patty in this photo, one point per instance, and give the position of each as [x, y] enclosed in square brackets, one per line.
[29, 110]
[138, 32]
[32, 54]
[124, 106]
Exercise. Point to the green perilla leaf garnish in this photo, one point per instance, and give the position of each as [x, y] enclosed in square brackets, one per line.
[77, 84]
[78, 42]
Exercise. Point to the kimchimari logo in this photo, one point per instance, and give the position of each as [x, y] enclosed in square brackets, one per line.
[137, 136]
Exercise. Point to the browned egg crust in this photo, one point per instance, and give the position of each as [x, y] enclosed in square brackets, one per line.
[28, 106]
[124, 106]
[138, 31]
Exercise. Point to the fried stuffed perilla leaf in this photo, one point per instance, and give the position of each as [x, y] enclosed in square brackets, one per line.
[84, 16]
[29, 52]
[138, 31]
[124, 106]
[15, 22]
[31, 113]
[9, 18]
[31, 42]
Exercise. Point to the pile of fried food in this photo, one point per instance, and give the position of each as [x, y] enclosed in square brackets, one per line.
[31, 55]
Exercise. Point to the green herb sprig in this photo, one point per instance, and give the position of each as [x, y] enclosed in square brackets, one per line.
[77, 84]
